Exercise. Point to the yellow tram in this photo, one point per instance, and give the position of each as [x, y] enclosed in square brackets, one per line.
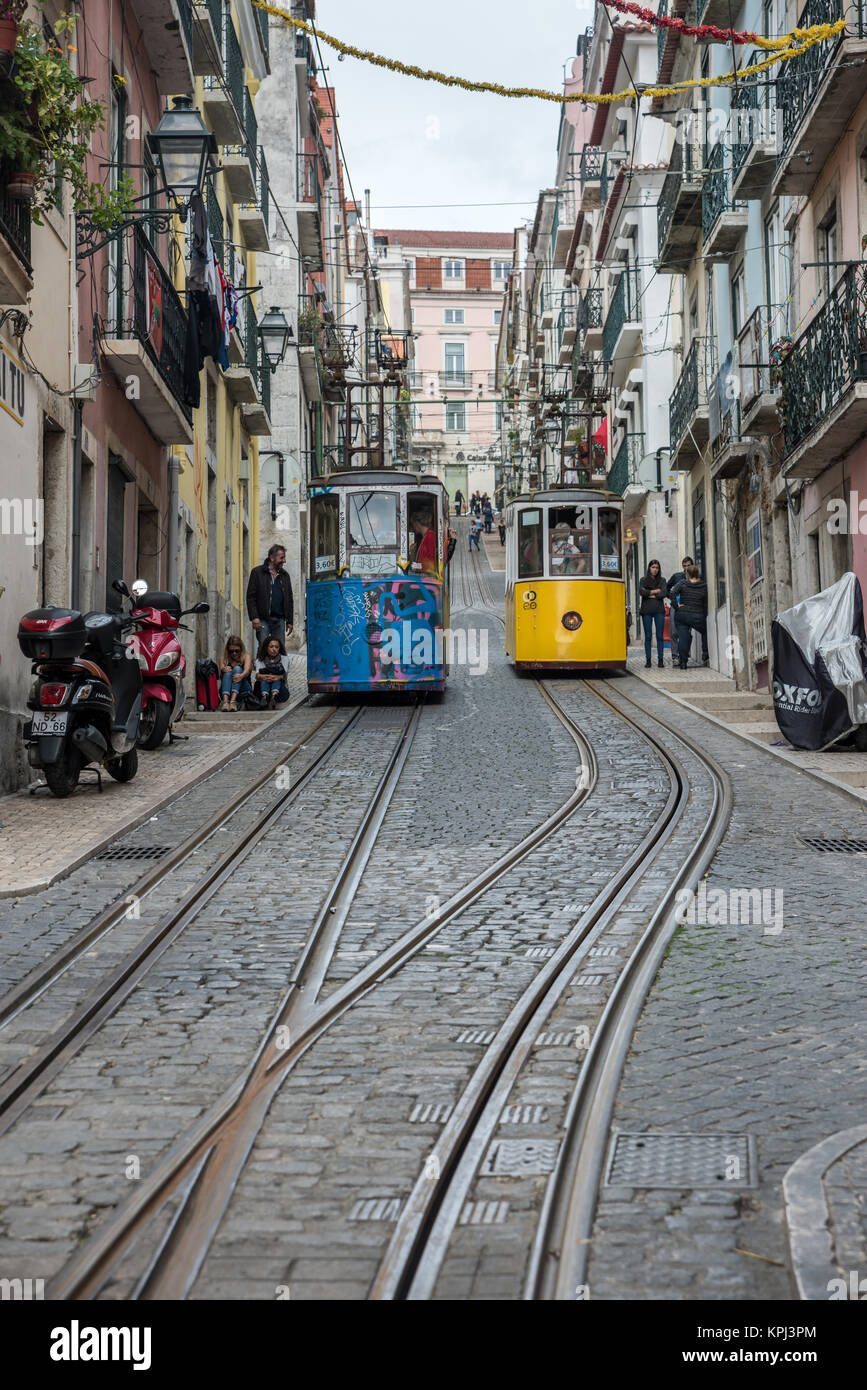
[565, 586]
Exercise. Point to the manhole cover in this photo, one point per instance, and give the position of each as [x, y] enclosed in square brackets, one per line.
[133, 852]
[682, 1160]
[834, 844]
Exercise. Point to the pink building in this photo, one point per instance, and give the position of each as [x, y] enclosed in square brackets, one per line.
[457, 280]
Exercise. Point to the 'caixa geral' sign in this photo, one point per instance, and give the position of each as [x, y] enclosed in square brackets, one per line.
[12, 387]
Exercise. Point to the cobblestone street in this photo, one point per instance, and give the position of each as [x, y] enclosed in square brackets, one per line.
[439, 1020]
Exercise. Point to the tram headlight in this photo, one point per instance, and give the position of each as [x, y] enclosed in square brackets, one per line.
[572, 621]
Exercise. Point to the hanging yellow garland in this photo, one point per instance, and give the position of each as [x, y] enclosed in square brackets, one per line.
[795, 44]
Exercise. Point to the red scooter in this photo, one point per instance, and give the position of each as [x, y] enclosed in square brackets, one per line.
[158, 616]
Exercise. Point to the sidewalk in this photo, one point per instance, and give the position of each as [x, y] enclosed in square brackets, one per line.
[40, 842]
[750, 715]
[495, 552]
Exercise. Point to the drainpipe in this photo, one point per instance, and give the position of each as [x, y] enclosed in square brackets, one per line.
[174, 468]
[75, 553]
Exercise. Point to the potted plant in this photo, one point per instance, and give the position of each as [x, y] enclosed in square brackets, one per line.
[11, 15]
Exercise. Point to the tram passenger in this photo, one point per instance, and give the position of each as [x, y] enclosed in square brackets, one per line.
[235, 670]
[652, 611]
[424, 550]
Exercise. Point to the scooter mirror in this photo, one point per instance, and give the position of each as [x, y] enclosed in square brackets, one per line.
[202, 608]
[139, 588]
[119, 587]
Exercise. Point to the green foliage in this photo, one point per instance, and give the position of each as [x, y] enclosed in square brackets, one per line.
[50, 135]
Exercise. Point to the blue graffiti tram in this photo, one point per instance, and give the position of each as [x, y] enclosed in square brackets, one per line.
[377, 600]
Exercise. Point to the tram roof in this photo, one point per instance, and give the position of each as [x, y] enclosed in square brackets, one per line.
[566, 495]
[357, 477]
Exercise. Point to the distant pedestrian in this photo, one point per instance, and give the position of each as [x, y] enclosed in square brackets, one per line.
[459, 502]
[672, 585]
[653, 589]
[691, 595]
[501, 527]
[489, 516]
[269, 597]
[475, 531]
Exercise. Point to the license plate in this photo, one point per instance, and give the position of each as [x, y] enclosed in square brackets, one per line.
[50, 725]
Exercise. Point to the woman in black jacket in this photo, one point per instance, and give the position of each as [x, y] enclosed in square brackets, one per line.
[652, 610]
[691, 613]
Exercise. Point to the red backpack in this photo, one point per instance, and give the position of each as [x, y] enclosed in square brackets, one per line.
[207, 684]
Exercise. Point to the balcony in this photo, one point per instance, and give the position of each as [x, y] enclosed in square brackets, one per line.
[824, 381]
[168, 45]
[567, 326]
[16, 274]
[456, 381]
[223, 97]
[546, 308]
[239, 165]
[627, 464]
[309, 344]
[590, 168]
[730, 447]
[256, 415]
[723, 220]
[817, 94]
[207, 52]
[688, 410]
[305, 70]
[678, 211]
[670, 44]
[252, 217]
[309, 210]
[753, 133]
[759, 396]
[589, 319]
[622, 332]
[563, 226]
[144, 345]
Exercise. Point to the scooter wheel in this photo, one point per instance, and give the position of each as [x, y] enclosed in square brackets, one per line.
[62, 776]
[153, 724]
[124, 768]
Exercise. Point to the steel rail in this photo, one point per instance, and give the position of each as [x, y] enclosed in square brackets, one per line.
[420, 1240]
[560, 1253]
[85, 1274]
[42, 976]
[29, 1079]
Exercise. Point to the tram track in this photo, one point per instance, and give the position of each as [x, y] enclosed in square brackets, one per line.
[421, 1238]
[210, 1158]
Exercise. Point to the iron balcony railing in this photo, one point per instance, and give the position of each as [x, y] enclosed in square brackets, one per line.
[457, 380]
[662, 31]
[568, 316]
[826, 359]
[716, 197]
[234, 65]
[753, 115]
[251, 125]
[589, 312]
[163, 339]
[15, 222]
[590, 164]
[679, 166]
[756, 340]
[262, 17]
[585, 48]
[308, 189]
[797, 86]
[623, 309]
[263, 192]
[254, 357]
[215, 222]
[304, 49]
[215, 10]
[690, 392]
[309, 322]
[627, 463]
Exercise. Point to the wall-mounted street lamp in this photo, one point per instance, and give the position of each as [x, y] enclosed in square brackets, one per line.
[275, 335]
[182, 147]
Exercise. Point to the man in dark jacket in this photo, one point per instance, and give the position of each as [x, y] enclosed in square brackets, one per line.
[672, 585]
[691, 614]
[269, 598]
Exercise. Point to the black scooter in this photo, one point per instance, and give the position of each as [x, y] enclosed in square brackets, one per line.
[87, 695]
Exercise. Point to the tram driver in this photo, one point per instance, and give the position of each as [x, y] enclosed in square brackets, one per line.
[424, 549]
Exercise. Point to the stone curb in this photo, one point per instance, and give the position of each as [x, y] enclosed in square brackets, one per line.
[756, 743]
[808, 1221]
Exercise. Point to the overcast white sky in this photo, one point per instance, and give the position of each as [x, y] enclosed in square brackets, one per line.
[413, 142]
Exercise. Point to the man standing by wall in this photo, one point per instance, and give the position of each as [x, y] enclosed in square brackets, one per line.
[269, 598]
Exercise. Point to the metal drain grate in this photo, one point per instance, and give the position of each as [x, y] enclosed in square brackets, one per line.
[834, 844]
[116, 852]
[715, 1161]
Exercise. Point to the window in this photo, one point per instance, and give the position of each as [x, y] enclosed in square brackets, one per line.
[755, 564]
[698, 531]
[827, 250]
[423, 547]
[456, 416]
[739, 311]
[570, 541]
[501, 270]
[455, 361]
[530, 544]
[372, 526]
[454, 316]
[610, 550]
[498, 317]
[453, 270]
[324, 536]
[777, 273]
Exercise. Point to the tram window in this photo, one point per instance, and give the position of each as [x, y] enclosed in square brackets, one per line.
[570, 540]
[324, 536]
[609, 542]
[373, 537]
[530, 544]
[424, 531]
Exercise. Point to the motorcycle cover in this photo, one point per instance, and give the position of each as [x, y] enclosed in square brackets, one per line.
[820, 672]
